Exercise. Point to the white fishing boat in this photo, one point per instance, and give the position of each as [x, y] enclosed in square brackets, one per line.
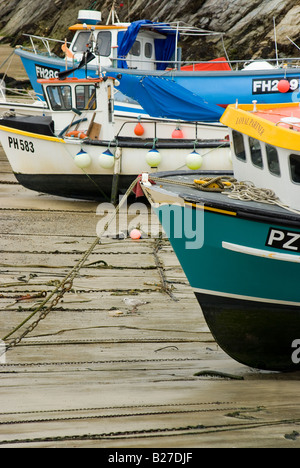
[77, 151]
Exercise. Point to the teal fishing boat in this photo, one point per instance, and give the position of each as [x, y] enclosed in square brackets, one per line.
[237, 236]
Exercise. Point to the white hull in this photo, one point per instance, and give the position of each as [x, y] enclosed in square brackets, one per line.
[39, 158]
[50, 155]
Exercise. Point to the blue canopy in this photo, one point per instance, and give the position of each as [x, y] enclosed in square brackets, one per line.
[162, 97]
[164, 48]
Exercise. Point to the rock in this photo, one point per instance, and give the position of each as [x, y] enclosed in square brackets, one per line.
[246, 25]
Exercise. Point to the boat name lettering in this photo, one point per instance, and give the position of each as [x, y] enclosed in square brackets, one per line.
[283, 239]
[46, 72]
[23, 145]
[269, 85]
[251, 123]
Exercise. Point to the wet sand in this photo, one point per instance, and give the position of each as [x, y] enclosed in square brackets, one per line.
[102, 370]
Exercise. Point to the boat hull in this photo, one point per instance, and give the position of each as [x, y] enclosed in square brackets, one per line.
[248, 290]
[47, 163]
[223, 87]
[96, 187]
[256, 334]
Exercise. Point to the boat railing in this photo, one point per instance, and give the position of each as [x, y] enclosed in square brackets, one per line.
[20, 95]
[2, 92]
[176, 63]
[47, 44]
[155, 123]
[194, 66]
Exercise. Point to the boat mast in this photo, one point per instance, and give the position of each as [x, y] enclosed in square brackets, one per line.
[275, 39]
[112, 14]
[176, 45]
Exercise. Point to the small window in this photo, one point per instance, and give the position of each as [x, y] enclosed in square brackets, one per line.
[255, 152]
[103, 46]
[273, 160]
[60, 97]
[81, 42]
[85, 97]
[148, 50]
[136, 49]
[295, 167]
[238, 145]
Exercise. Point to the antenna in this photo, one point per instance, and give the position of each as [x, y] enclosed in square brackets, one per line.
[293, 42]
[275, 39]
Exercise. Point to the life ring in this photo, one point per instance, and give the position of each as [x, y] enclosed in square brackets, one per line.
[77, 134]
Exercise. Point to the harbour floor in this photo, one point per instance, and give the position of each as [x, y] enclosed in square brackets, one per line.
[113, 364]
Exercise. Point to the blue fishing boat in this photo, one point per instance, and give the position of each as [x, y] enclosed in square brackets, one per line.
[146, 49]
[237, 236]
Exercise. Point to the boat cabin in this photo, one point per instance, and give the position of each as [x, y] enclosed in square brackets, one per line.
[265, 144]
[76, 101]
[142, 44]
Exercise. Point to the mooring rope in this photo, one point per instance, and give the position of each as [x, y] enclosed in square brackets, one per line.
[229, 186]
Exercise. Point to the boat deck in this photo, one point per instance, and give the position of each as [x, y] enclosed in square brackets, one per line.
[188, 191]
[103, 371]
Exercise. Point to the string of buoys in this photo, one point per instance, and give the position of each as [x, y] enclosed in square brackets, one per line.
[153, 157]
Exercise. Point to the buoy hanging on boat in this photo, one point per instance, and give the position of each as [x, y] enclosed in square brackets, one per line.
[139, 129]
[82, 159]
[153, 158]
[107, 159]
[194, 160]
[177, 133]
[77, 134]
[283, 86]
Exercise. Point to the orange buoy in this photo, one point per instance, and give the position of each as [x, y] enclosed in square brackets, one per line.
[139, 129]
[135, 234]
[283, 86]
[177, 133]
[77, 134]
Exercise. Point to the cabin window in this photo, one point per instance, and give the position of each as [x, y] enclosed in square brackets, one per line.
[85, 96]
[81, 42]
[103, 45]
[255, 152]
[273, 160]
[60, 97]
[148, 50]
[295, 167]
[238, 145]
[136, 49]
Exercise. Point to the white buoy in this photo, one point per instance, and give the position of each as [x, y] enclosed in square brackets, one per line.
[194, 160]
[107, 159]
[153, 158]
[82, 159]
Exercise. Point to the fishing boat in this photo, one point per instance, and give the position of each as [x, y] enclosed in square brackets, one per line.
[237, 236]
[27, 102]
[146, 49]
[77, 151]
